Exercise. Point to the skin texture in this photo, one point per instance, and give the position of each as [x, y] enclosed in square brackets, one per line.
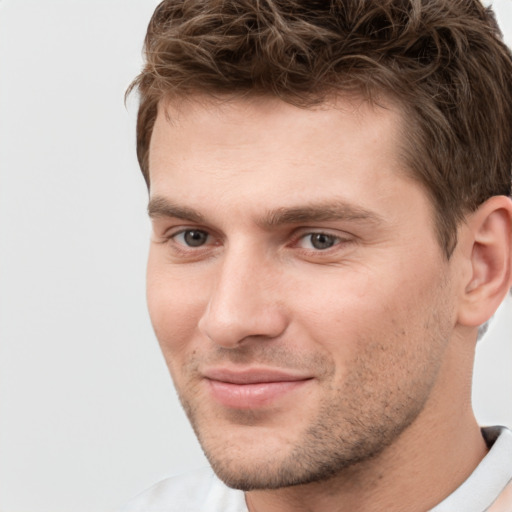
[292, 241]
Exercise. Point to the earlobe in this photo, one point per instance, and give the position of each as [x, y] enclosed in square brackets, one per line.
[489, 243]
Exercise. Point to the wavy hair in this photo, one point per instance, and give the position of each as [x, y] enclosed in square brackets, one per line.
[443, 60]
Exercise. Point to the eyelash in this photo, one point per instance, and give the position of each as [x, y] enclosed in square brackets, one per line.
[182, 248]
[336, 240]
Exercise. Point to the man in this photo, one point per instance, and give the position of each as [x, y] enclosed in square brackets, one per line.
[330, 198]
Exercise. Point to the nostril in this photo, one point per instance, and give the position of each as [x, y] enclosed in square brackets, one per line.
[230, 327]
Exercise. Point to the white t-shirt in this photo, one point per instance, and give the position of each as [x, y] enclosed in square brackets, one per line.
[488, 489]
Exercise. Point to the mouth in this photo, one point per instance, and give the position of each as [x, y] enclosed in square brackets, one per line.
[252, 388]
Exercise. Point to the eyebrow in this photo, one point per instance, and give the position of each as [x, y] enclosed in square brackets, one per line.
[322, 212]
[159, 207]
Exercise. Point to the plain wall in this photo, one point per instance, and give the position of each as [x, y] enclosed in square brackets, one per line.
[88, 416]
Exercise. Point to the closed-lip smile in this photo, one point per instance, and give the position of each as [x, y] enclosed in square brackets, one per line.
[251, 387]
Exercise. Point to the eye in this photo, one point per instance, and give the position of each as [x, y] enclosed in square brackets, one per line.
[318, 241]
[192, 237]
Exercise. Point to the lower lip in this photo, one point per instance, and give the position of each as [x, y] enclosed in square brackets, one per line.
[250, 396]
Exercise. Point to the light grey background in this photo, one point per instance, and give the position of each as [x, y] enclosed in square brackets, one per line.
[88, 416]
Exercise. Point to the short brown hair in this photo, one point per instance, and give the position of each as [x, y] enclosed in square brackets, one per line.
[443, 60]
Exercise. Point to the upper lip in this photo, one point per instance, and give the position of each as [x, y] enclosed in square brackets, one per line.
[252, 375]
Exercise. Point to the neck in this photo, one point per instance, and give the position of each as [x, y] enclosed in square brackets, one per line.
[424, 465]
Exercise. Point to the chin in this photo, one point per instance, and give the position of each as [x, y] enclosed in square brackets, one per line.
[318, 456]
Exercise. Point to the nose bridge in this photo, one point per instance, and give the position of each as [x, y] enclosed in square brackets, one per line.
[243, 301]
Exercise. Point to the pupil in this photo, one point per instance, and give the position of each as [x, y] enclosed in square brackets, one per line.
[195, 238]
[322, 241]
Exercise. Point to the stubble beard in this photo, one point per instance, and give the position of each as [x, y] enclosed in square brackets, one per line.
[347, 431]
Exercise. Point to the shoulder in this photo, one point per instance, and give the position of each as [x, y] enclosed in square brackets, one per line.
[196, 491]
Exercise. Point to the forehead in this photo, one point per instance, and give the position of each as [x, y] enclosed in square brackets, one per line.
[202, 134]
[351, 108]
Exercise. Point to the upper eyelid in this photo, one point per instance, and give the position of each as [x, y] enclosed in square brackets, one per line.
[210, 241]
[341, 235]
[342, 242]
[296, 235]
[296, 232]
[337, 240]
[176, 230]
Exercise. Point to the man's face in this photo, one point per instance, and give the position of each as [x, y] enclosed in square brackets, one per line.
[295, 284]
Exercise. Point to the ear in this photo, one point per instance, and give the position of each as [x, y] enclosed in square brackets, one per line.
[488, 249]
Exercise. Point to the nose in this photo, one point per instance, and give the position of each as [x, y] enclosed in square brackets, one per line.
[244, 301]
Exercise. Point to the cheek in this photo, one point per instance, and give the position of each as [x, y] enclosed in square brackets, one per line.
[356, 311]
[175, 306]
